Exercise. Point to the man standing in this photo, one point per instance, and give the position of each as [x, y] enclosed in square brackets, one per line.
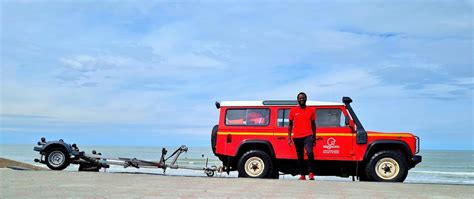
[302, 124]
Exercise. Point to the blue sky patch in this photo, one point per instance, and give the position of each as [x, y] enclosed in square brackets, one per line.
[106, 73]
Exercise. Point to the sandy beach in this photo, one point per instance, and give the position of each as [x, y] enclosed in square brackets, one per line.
[62, 184]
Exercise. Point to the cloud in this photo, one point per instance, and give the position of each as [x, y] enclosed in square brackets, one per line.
[180, 51]
[88, 63]
[383, 35]
[21, 116]
[457, 89]
[425, 78]
[89, 84]
[468, 82]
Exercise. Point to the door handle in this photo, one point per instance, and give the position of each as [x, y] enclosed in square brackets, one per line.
[281, 138]
[319, 138]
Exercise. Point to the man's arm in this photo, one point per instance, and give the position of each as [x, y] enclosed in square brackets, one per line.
[290, 128]
[313, 128]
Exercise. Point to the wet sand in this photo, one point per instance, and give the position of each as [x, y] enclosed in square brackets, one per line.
[6, 163]
[67, 184]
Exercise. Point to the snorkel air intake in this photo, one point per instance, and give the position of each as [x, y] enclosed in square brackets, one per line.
[361, 134]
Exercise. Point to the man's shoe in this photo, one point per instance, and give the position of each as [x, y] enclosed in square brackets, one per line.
[302, 177]
[311, 176]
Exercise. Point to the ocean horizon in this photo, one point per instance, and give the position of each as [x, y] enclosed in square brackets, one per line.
[438, 166]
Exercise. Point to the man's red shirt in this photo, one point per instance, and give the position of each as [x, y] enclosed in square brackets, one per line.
[302, 118]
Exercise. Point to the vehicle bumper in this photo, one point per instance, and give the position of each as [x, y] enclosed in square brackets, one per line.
[415, 160]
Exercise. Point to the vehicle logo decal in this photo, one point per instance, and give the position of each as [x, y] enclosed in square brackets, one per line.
[331, 147]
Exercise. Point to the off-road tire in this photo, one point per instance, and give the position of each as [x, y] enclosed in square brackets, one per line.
[362, 173]
[57, 158]
[275, 174]
[387, 166]
[255, 164]
[214, 138]
[363, 177]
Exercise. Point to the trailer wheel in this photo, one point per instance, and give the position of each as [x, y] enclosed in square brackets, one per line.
[209, 173]
[255, 164]
[387, 166]
[57, 159]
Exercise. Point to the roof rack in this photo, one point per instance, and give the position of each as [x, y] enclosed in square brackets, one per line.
[280, 102]
[274, 103]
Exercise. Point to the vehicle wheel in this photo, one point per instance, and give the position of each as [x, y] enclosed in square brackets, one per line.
[255, 164]
[363, 177]
[275, 174]
[362, 172]
[214, 138]
[57, 159]
[387, 166]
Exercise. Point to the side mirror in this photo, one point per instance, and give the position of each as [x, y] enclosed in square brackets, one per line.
[347, 121]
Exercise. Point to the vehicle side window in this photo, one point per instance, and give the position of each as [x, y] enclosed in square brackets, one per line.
[283, 117]
[330, 117]
[247, 117]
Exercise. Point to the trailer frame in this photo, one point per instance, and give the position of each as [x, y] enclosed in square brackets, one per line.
[58, 155]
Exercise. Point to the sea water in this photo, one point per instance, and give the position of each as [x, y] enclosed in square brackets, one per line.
[438, 166]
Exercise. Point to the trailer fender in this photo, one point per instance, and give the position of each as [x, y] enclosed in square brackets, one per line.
[55, 144]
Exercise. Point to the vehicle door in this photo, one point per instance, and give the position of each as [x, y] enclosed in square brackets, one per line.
[334, 135]
[280, 135]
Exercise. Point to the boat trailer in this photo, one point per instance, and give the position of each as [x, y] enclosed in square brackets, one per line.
[58, 155]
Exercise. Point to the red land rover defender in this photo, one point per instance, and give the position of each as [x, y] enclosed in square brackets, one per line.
[251, 137]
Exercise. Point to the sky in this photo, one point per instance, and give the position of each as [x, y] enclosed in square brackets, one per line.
[147, 73]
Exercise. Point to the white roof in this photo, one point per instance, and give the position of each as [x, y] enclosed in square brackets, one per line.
[260, 103]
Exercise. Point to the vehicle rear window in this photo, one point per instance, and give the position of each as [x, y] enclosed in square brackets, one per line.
[330, 117]
[247, 117]
[283, 117]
